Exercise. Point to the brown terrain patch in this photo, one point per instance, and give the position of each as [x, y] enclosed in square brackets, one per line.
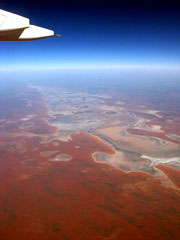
[140, 144]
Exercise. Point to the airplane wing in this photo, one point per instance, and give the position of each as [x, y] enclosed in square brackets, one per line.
[14, 27]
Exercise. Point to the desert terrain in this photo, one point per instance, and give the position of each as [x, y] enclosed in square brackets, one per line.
[78, 165]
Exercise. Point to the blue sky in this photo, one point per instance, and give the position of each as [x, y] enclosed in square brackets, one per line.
[95, 34]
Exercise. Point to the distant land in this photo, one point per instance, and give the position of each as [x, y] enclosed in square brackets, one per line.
[89, 161]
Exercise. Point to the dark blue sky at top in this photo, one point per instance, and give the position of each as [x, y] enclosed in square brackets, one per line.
[97, 33]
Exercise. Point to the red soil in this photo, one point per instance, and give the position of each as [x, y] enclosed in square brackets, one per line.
[78, 199]
[173, 174]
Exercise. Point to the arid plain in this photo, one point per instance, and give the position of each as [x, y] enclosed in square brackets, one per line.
[83, 165]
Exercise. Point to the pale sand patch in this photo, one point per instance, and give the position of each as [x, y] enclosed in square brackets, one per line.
[28, 117]
[161, 160]
[153, 112]
[24, 119]
[55, 143]
[62, 157]
[64, 136]
[156, 128]
[142, 144]
[31, 115]
[125, 161]
[115, 160]
[108, 108]
[48, 153]
[118, 160]
[151, 128]
[114, 133]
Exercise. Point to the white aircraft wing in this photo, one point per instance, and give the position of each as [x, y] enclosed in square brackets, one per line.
[17, 28]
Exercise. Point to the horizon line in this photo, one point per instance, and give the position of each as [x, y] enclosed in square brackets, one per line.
[88, 67]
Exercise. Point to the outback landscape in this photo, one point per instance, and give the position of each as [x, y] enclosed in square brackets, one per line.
[77, 164]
